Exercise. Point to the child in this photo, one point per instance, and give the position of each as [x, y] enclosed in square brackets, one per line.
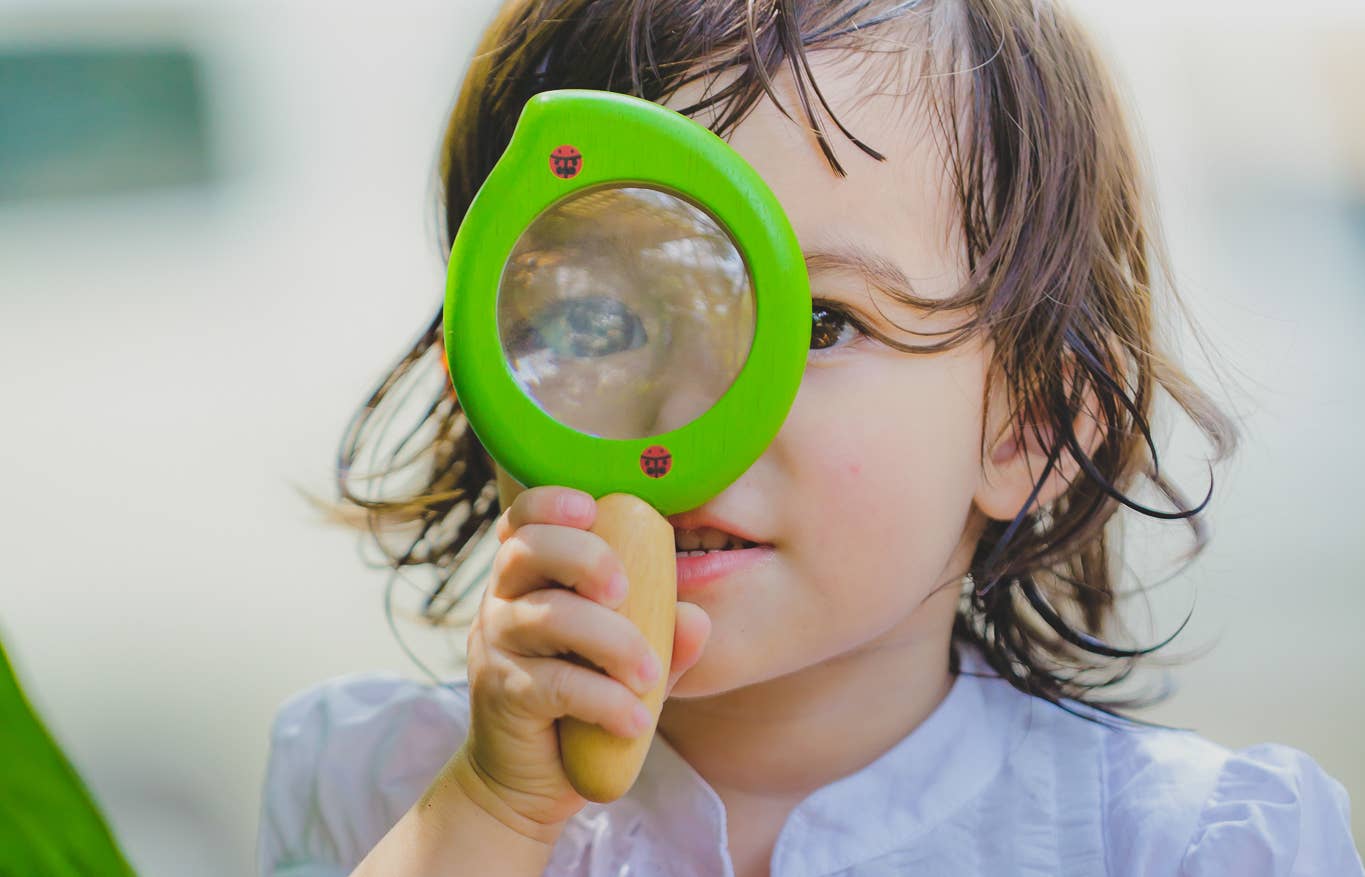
[903, 675]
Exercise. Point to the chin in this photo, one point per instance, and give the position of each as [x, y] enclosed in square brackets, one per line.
[692, 685]
[715, 675]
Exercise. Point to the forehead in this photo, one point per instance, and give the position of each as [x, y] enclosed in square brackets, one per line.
[900, 209]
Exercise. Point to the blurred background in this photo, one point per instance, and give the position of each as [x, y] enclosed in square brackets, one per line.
[216, 234]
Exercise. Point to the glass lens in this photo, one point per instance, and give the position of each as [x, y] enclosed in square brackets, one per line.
[625, 312]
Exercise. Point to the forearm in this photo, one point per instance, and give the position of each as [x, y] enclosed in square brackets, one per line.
[458, 828]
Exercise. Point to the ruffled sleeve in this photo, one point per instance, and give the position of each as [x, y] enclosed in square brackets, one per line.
[347, 759]
[1273, 813]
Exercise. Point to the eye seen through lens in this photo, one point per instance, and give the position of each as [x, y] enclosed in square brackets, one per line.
[577, 328]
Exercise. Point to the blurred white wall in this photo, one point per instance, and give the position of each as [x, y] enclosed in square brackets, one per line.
[172, 361]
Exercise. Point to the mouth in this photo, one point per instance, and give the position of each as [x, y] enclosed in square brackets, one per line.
[702, 541]
[707, 556]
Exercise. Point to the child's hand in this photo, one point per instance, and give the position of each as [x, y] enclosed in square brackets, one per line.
[521, 677]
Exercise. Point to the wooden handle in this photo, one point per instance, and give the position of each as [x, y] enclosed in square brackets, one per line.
[601, 766]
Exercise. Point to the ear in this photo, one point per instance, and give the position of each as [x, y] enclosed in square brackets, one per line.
[1012, 463]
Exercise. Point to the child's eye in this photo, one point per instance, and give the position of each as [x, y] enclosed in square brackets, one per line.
[579, 328]
[831, 326]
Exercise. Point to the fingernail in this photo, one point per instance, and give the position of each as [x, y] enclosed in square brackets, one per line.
[616, 591]
[649, 670]
[640, 718]
[578, 505]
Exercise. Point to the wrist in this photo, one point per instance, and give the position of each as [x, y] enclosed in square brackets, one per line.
[478, 787]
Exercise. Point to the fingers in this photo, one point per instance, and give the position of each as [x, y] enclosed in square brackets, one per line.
[560, 652]
[551, 688]
[548, 504]
[545, 541]
[550, 622]
[540, 555]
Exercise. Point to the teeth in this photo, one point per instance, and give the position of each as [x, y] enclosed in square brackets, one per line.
[697, 542]
[700, 552]
[706, 539]
[731, 545]
[714, 539]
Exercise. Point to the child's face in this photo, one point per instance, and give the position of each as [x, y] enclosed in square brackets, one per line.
[866, 494]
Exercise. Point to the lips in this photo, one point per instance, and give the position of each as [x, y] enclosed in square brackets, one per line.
[700, 573]
[702, 524]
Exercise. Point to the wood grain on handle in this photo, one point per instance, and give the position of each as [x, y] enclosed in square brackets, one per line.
[601, 766]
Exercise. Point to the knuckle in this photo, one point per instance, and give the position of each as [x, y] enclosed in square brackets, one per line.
[559, 686]
[486, 623]
[519, 686]
[487, 680]
[512, 556]
[532, 613]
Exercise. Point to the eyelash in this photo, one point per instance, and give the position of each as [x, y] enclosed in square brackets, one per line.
[840, 315]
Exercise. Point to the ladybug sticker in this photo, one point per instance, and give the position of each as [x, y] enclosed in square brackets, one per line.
[566, 162]
[655, 461]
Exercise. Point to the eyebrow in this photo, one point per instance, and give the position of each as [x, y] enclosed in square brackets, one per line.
[878, 271]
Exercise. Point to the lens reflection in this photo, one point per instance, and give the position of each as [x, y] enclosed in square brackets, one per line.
[625, 312]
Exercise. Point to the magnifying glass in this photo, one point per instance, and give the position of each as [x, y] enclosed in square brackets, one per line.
[627, 313]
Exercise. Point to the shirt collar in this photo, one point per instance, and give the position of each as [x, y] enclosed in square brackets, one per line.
[943, 763]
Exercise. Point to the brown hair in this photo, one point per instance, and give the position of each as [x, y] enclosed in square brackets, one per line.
[1063, 259]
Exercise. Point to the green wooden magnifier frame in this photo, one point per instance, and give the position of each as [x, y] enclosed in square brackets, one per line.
[609, 139]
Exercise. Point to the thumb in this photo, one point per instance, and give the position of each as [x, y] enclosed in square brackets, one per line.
[691, 628]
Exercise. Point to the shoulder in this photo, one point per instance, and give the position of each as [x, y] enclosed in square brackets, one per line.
[1273, 810]
[354, 707]
[1176, 802]
[348, 756]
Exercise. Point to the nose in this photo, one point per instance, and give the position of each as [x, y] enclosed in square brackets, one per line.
[686, 399]
[702, 363]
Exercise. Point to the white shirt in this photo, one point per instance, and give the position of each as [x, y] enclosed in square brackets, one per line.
[994, 782]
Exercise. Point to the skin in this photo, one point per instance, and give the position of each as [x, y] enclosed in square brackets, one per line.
[873, 494]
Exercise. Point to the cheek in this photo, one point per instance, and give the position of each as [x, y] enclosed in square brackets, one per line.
[848, 479]
[865, 490]
[884, 459]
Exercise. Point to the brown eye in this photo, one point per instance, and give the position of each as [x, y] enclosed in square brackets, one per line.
[829, 326]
